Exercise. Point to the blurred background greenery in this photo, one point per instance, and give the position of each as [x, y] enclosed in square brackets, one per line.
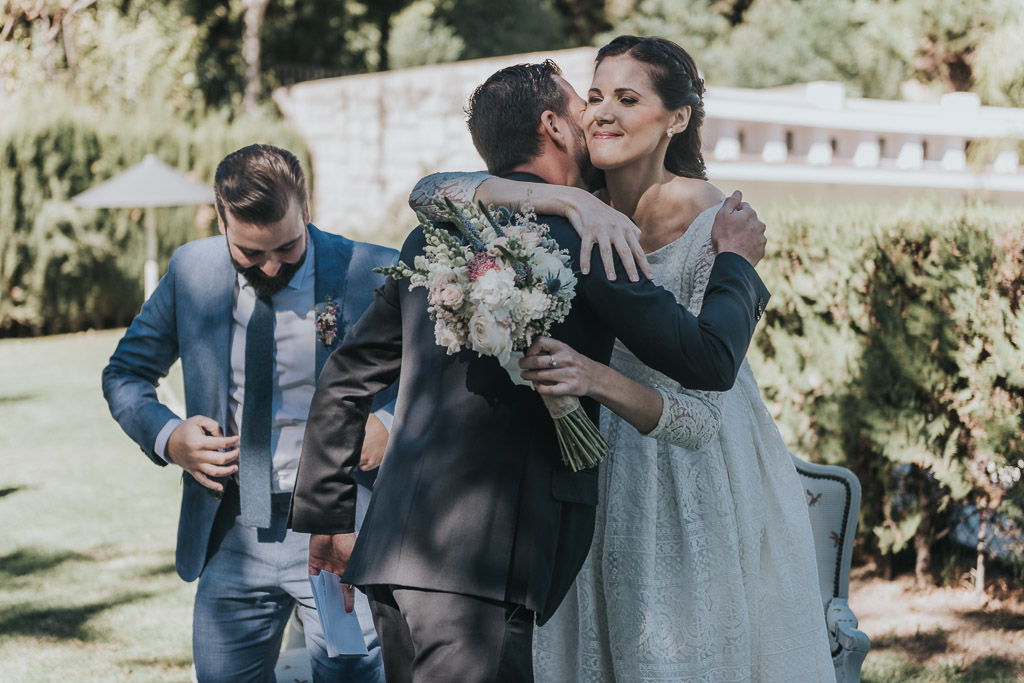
[894, 344]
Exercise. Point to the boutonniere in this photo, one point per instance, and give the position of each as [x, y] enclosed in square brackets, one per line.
[327, 322]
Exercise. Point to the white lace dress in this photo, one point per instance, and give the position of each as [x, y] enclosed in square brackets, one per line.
[702, 566]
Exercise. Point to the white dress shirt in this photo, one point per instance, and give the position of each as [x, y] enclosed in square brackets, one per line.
[294, 366]
[295, 341]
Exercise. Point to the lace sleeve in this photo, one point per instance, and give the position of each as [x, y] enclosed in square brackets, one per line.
[458, 186]
[691, 419]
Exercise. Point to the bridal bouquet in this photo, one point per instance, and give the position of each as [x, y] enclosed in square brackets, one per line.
[503, 284]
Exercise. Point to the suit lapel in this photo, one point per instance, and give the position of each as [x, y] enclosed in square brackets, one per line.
[222, 342]
[216, 309]
[332, 258]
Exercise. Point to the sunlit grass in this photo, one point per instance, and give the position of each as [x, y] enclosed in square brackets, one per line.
[893, 658]
[87, 584]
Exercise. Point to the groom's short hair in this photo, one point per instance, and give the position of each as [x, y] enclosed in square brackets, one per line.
[257, 184]
[504, 113]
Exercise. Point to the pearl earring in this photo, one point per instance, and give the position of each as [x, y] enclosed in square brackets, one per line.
[670, 131]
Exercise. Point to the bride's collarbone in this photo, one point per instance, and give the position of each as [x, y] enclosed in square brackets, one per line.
[671, 227]
[652, 242]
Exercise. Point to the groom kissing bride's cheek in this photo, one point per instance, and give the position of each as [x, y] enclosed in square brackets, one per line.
[477, 529]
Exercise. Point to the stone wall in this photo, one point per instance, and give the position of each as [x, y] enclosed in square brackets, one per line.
[372, 136]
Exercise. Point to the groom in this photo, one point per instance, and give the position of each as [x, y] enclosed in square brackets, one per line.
[476, 530]
[247, 314]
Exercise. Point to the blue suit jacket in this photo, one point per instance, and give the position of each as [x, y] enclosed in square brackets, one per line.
[189, 316]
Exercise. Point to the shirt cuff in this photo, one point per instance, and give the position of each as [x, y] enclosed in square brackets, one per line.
[160, 447]
[386, 418]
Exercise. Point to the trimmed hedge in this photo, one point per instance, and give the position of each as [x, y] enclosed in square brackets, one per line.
[894, 345]
[63, 268]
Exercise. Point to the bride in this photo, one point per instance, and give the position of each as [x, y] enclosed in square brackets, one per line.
[702, 566]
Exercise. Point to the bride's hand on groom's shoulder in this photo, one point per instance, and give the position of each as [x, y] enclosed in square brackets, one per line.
[330, 552]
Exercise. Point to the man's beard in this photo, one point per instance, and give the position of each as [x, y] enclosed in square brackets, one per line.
[263, 285]
[592, 178]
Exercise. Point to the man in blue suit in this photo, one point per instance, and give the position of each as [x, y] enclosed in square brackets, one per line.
[253, 315]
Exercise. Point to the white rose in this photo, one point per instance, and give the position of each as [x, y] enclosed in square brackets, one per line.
[446, 337]
[496, 290]
[439, 272]
[487, 234]
[532, 306]
[450, 295]
[530, 238]
[546, 264]
[488, 337]
[492, 246]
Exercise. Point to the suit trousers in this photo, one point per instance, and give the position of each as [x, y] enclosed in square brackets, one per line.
[247, 591]
[445, 637]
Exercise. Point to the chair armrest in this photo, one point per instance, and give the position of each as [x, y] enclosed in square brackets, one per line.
[853, 640]
[842, 627]
[849, 645]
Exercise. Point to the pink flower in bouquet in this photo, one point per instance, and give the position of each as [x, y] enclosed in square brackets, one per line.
[480, 264]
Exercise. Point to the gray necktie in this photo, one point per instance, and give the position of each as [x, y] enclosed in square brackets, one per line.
[254, 460]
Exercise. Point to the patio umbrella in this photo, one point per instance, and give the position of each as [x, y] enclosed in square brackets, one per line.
[146, 185]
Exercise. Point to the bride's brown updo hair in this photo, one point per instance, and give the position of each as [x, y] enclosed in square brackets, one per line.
[674, 77]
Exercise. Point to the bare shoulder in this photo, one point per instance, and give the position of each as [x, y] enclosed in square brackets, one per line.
[694, 196]
[702, 194]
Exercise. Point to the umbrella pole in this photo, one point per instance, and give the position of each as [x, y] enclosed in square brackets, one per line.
[151, 272]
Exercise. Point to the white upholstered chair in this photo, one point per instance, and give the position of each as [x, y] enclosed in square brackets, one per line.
[833, 501]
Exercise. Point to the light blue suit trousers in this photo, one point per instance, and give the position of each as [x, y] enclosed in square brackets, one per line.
[252, 581]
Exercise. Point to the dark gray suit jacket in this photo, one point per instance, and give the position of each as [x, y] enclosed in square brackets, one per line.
[472, 496]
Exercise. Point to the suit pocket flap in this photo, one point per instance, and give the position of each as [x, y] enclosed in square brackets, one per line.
[575, 487]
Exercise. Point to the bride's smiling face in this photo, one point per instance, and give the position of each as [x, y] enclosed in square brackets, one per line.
[625, 120]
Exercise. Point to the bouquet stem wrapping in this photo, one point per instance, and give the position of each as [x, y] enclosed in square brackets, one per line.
[579, 440]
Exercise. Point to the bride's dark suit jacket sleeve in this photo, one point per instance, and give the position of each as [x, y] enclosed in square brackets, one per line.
[700, 352]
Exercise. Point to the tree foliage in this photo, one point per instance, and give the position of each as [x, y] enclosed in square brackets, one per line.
[100, 53]
[419, 37]
[870, 45]
[300, 40]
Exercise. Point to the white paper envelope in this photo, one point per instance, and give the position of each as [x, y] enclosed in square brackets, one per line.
[342, 633]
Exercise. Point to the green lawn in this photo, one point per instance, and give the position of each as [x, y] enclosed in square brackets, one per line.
[87, 528]
[885, 667]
